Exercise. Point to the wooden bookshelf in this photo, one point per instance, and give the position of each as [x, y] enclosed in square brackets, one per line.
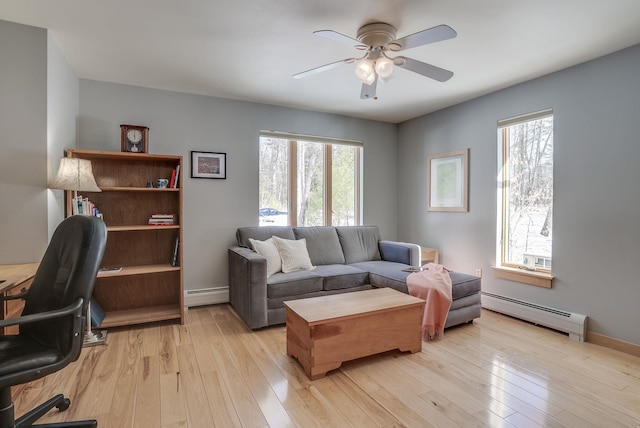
[147, 288]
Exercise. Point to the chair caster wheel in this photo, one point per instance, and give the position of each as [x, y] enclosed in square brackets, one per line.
[64, 405]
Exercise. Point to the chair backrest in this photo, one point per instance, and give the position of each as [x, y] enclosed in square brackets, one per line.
[67, 271]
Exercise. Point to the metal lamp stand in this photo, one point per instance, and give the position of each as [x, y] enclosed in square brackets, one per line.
[93, 338]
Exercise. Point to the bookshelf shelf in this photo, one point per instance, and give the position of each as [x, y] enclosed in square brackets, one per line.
[140, 227]
[140, 270]
[140, 316]
[138, 189]
[147, 288]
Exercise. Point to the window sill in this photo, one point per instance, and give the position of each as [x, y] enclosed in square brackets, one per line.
[539, 279]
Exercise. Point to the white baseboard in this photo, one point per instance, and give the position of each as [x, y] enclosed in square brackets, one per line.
[206, 296]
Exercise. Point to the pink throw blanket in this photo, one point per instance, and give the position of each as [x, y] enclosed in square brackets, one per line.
[433, 284]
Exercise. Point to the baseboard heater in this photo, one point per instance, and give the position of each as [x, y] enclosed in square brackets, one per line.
[573, 324]
[206, 296]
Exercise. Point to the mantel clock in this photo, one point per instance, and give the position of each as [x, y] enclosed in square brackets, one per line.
[134, 139]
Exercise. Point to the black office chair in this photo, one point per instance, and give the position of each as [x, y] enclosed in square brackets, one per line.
[53, 320]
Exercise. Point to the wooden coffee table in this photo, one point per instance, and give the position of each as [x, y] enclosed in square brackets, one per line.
[323, 332]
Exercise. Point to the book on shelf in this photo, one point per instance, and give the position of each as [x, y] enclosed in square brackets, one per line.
[175, 183]
[172, 180]
[162, 220]
[171, 216]
[84, 206]
[74, 206]
[176, 251]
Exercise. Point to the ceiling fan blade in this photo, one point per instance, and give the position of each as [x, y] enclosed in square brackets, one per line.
[323, 68]
[424, 37]
[369, 91]
[427, 70]
[338, 37]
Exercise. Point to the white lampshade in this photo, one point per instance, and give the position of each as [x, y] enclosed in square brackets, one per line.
[384, 67]
[365, 71]
[75, 174]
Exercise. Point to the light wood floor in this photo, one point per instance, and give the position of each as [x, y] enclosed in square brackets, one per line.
[214, 371]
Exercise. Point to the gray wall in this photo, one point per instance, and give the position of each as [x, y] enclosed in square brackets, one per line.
[214, 209]
[23, 147]
[62, 115]
[596, 198]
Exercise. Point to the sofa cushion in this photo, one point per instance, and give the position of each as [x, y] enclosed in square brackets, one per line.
[293, 283]
[262, 233]
[386, 274]
[269, 251]
[390, 274]
[322, 243]
[294, 254]
[359, 243]
[338, 276]
[464, 284]
[276, 304]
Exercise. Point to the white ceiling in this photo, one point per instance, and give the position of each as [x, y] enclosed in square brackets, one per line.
[249, 49]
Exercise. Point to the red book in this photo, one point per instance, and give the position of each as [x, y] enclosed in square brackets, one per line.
[172, 182]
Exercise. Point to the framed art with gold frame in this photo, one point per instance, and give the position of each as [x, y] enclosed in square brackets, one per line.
[448, 181]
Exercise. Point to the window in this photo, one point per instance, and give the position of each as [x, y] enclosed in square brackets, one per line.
[526, 192]
[308, 181]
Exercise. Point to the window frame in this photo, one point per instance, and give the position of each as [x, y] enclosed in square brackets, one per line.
[328, 143]
[503, 269]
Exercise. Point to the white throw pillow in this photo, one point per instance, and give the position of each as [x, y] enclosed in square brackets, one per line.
[268, 250]
[294, 254]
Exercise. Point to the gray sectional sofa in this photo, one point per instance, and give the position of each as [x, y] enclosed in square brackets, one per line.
[345, 259]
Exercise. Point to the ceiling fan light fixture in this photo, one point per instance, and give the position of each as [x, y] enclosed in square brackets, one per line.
[384, 67]
[377, 40]
[365, 71]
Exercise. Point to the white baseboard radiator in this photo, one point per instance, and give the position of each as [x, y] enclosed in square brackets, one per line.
[206, 296]
[573, 324]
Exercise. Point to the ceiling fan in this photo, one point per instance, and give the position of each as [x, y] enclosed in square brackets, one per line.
[378, 40]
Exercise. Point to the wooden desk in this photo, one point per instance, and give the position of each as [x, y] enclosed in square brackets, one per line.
[15, 278]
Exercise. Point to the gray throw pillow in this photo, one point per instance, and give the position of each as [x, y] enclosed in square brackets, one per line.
[359, 243]
[322, 243]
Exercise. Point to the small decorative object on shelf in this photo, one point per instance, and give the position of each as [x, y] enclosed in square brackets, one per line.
[134, 139]
[109, 270]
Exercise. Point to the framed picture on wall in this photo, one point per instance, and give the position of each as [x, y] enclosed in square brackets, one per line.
[448, 181]
[208, 165]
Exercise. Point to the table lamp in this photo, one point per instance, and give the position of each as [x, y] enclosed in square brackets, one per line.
[77, 174]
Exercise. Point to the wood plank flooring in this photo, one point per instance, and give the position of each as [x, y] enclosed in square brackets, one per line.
[214, 372]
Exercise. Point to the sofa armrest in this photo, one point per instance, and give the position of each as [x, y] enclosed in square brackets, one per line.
[248, 286]
[400, 252]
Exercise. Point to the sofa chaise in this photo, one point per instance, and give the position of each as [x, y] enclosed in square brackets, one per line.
[342, 259]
